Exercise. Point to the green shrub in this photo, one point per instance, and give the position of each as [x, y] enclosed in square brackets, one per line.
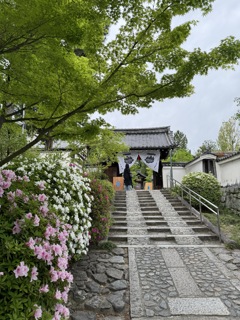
[103, 193]
[34, 281]
[204, 184]
[68, 193]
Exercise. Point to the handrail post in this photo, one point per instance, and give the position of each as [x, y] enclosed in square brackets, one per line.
[190, 201]
[218, 222]
[171, 170]
[202, 201]
[200, 209]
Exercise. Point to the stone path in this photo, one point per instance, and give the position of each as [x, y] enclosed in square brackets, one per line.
[167, 265]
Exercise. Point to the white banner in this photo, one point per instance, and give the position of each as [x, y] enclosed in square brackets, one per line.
[149, 157]
[127, 157]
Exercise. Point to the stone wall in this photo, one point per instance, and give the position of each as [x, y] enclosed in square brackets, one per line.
[231, 197]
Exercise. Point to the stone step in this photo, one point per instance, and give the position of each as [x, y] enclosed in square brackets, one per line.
[119, 213]
[175, 203]
[151, 213]
[119, 224]
[200, 229]
[150, 209]
[155, 218]
[156, 223]
[180, 208]
[120, 208]
[194, 222]
[185, 213]
[120, 197]
[147, 204]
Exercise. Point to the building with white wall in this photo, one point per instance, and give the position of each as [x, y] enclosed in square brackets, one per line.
[224, 166]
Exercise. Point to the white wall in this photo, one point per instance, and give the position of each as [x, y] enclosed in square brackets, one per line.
[228, 171]
[195, 166]
[178, 174]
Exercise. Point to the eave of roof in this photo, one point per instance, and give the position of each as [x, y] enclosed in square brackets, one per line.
[148, 138]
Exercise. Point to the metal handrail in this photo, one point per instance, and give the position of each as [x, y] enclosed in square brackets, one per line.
[200, 199]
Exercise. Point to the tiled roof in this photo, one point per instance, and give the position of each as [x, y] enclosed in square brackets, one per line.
[148, 138]
[227, 155]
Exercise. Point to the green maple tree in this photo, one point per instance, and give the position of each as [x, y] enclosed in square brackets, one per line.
[58, 66]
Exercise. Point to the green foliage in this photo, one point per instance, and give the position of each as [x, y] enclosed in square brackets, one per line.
[229, 135]
[140, 166]
[86, 71]
[181, 155]
[149, 174]
[12, 138]
[180, 140]
[204, 184]
[104, 147]
[103, 193]
[230, 226]
[33, 252]
[207, 146]
[68, 191]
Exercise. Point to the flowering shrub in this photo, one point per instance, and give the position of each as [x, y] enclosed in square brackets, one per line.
[68, 192]
[204, 184]
[103, 193]
[34, 281]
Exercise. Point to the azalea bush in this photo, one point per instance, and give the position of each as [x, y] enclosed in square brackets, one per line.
[204, 184]
[103, 193]
[68, 192]
[34, 257]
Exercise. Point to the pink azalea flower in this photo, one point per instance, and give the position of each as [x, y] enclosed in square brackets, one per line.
[62, 263]
[50, 232]
[57, 249]
[21, 270]
[44, 289]
[53, 274]
[6, 184]
[44, 210]
[48, 257]
[58, 223]
[39, 251]
[38, 312]
[62, 237]
[58, 295]
[1, 273]
[28, 215]
[36, 221]
[19, 193]
[62, 309]
[25, 199]
[34, 274]
[9, 174]
[1, 192]
[31, 243]
[11, 196]
[41, 185]
[65, 296]
[42, 197]
[57, 316]
[17, 228]
[26, 178]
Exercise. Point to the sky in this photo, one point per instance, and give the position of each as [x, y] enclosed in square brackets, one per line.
[200, 116]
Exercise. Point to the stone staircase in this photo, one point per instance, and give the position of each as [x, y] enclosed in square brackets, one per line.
[155, 218]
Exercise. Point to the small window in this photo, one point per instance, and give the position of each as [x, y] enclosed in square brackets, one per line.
[209, 166]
